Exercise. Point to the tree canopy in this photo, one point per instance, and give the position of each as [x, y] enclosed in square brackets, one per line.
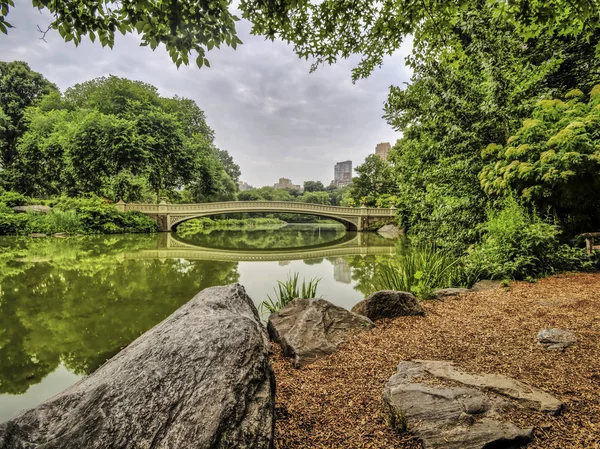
[325, 31]
[119, 139]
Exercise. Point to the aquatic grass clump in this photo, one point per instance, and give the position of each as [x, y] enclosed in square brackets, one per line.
[289, 290]
[420, 269]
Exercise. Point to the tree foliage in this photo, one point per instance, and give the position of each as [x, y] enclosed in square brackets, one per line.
[20, 87]
[119, 139]
[313, 186]
[187, 28]
[476, 92]
[374, 179]
[553, 160]
[324, 31]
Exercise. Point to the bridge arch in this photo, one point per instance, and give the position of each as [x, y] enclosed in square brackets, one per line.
[349, 223]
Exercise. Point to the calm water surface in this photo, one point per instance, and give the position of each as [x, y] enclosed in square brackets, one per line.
[67, 305]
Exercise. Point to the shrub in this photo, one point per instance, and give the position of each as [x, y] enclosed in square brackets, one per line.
[518, 244]
[289, 290]
[12, 199]
[13, 224]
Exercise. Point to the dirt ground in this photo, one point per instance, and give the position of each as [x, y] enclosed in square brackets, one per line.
[336, 402]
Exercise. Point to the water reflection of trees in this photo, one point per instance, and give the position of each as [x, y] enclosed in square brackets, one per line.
[77, 302]
[282, 238]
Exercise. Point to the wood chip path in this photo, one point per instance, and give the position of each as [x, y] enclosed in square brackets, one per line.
[336, 402]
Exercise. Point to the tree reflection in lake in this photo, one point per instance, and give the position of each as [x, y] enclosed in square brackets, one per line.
[76, 302]
[67, 305]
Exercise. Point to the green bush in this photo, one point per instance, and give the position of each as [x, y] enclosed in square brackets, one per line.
[12, 199]
[13, 224]
[518, 244]
[84, 215]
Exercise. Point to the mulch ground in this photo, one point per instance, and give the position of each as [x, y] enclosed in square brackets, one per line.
[336, 402]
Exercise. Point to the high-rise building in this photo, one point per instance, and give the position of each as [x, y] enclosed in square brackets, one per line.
[285, 183]
[342, 174]
[382, 149]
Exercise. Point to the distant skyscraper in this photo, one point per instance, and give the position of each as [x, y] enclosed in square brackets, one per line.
[342, 174]
[382, 149]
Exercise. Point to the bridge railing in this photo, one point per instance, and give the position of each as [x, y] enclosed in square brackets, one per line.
[245, 206]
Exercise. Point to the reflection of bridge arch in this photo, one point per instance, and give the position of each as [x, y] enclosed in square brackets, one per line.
[175, 249]
[169, 216]
[175, 240]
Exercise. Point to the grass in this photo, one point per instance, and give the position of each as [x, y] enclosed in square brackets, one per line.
[287, 291]
[422, 268]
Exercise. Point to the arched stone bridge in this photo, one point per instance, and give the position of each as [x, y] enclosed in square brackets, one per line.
[168, 216]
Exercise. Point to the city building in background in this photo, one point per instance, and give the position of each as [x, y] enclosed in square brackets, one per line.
[342, 174]
[382, 149]
[285, 183]
[243, 186]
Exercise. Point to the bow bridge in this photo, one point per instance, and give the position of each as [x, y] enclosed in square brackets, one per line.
[168, 216]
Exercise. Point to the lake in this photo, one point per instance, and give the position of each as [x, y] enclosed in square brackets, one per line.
[67, 305]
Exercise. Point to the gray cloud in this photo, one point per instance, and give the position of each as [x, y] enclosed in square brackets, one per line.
[273, 116]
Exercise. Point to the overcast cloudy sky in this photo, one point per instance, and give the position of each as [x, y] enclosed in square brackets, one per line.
[274, 117]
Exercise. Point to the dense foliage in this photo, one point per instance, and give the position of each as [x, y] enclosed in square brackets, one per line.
[325, 31]
[89, 215]
[518, 244]
[118, 139]
[553, 160]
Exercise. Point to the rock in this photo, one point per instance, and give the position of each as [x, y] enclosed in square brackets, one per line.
[555, 338]
[37, 235]
[389, 304]
[61, 235]
[524, 394]
[455, 416]
[37, 209]
[200, 379]
[390, 231]
[309, 329]
[485, 285]
[444, 293]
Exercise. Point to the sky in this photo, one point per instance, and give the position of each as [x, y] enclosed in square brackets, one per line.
[274, 117]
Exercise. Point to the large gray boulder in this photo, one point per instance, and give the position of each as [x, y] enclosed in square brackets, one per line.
[447, 408]
[200, 379]
[309, 329]
[389, 304]
[35, 209]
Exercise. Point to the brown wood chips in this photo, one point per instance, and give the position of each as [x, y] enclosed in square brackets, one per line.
[337, 402]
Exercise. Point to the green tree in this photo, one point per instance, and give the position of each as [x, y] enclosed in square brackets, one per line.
[375, 178]
[315, 197]
[553, 160]
[118, 138]
[313, 186]
[20, 87]
[476, 92]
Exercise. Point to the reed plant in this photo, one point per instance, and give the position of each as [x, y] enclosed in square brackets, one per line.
[288, 290]
[420, 269]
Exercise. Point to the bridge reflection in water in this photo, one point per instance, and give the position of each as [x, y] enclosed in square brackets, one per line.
[171, 247]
